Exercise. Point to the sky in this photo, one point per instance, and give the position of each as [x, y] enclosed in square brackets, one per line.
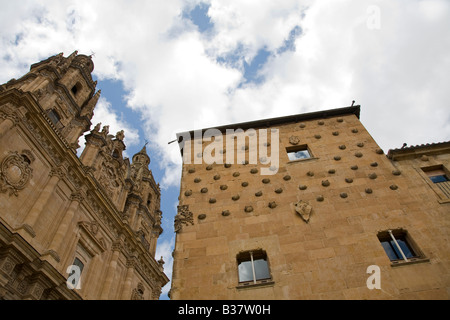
[166, 67]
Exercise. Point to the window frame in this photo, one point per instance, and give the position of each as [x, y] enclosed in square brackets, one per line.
[80, 264]
[252, 256]
[396, 239]
[440, 188]
[295, 149]
[55, 118]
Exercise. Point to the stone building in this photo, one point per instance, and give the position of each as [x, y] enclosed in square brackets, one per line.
[333, 217]
[72, 227]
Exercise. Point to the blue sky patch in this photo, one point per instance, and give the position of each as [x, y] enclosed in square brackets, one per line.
[251, 71]
[199, 16]
[289, 43]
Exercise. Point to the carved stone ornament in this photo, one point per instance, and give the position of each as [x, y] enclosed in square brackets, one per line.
[15, 173]
[304, 209]
[294, 140]
[184, 217]
[138, 293]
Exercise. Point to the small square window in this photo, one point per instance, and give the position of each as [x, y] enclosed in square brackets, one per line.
[298, 153]
[253, 267]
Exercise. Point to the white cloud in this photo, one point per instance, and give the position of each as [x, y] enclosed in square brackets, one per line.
[397, 72]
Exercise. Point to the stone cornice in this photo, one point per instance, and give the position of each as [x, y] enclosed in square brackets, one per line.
[412, 152]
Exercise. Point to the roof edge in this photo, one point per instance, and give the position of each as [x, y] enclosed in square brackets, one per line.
[282, 120]
[419, 150]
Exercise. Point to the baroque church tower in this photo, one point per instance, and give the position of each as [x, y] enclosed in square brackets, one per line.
[72, 227]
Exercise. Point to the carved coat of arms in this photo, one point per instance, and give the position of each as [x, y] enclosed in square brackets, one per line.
[304, 210]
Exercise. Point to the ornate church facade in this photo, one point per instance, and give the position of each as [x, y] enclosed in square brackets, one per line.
[72, 227]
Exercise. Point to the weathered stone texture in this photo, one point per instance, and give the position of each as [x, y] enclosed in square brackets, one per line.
[354, 191]
[55, 207]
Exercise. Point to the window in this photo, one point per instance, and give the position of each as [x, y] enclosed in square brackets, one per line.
[77, 262]
[439, 176]
[149, 200]
[54, 116]
[55, 119]
[74, 278]
[76, 88]
[399, 247]
[298, 153]
[253, 268]
[436, 174]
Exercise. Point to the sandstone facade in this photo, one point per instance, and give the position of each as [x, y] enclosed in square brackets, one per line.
[314, 228]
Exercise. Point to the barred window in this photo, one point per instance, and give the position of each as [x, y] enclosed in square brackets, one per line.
[399, 246]
[440, 179]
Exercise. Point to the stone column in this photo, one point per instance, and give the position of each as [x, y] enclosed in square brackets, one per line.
[55, 175]
[9, 117]
[111, 271]
[5, 125]
[126, 292]
[63, 229]
[91, 279]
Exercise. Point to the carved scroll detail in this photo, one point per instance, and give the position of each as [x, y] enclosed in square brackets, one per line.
[184, 217]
